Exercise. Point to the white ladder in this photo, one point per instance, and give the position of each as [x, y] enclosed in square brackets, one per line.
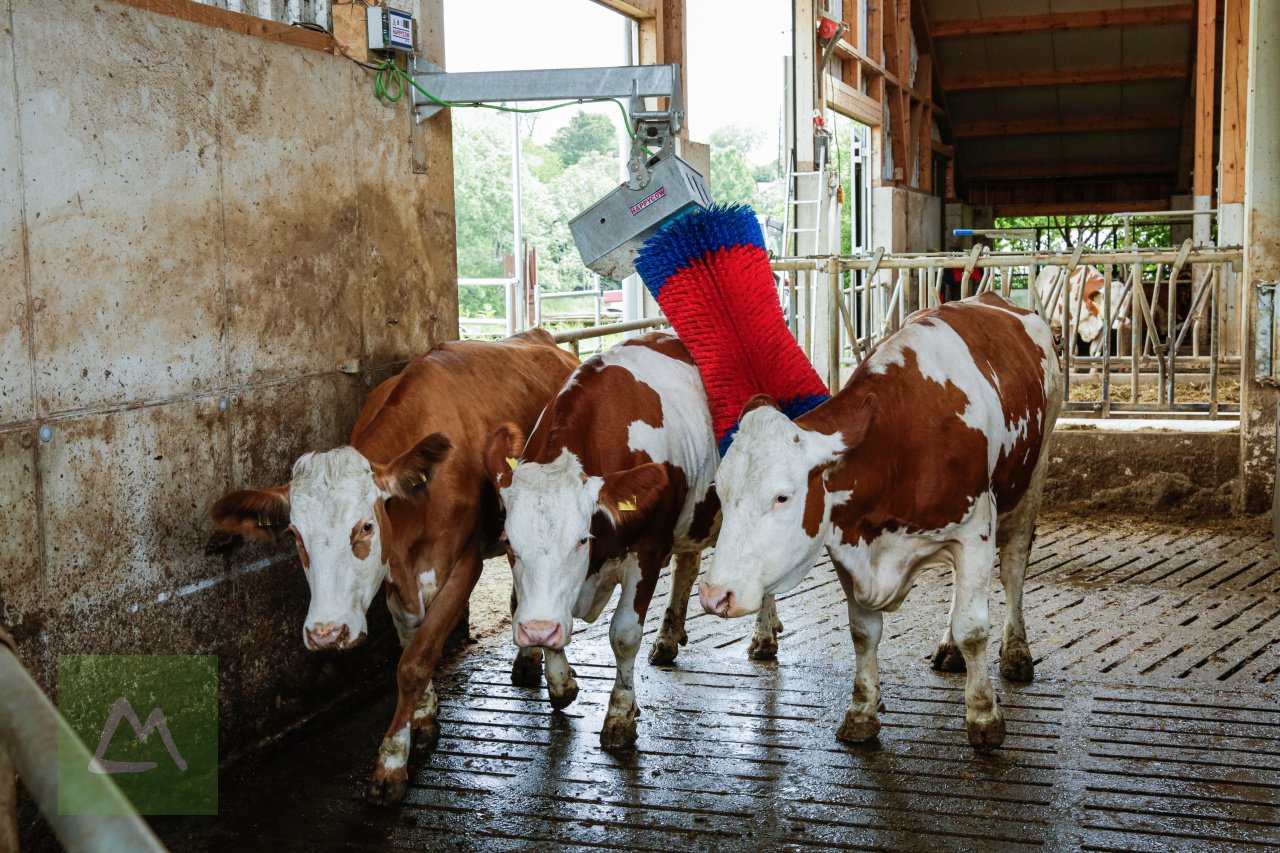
[813, 194]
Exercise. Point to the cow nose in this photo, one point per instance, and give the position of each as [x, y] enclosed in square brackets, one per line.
[540, 632]
[324, 635]
[715, 599]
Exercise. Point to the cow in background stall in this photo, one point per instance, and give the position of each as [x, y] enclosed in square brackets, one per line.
[615, 478]
[1085, 309]
[932, 455]
[407, 506]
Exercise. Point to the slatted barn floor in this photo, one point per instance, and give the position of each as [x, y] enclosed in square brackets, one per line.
[1153, 724]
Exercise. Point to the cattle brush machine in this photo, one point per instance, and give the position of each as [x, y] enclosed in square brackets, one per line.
[710, 273]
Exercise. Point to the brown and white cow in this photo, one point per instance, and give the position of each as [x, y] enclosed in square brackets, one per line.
[932, 455]
[407, 505]
[614, 479]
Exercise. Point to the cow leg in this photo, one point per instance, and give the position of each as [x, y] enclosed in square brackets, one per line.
[672, 634]
[639, 578]
[562, 687]
[413, 678]
[764, 642]
[947, 658]
[1015, 534]
[526, 669]
[861, 721]
[970, 628]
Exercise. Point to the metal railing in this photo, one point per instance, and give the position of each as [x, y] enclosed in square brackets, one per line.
[508, 324]
[1171, 315]
[32, 734]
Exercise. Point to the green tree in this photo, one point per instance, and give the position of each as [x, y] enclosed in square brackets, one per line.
[731, 179]
[586, 133]
[482, 187]
[738, 137]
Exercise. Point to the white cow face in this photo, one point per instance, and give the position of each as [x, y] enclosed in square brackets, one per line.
[333, 508]
[550, 510]
[766, 543]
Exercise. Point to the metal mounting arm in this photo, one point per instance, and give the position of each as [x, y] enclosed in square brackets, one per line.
[656, 128]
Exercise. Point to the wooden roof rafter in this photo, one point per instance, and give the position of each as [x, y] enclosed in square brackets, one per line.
[1079, 76]
[1174, 13]
[1073, 124]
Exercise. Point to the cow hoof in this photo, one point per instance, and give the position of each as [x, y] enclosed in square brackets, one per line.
[526, 670]
[387, 788]
[564, 698]
[619, 732]
[664, 651]
[777, 625]
[426, 735]
[947, 658]
[858, 729]
[1016, 664]
[763, 648]
[986, 735]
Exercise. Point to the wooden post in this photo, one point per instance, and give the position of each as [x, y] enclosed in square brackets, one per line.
[1206, 32]
[1235, 92]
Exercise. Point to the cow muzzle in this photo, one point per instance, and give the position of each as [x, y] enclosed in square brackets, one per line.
[540, 632]
[716, 599]
[332, 635]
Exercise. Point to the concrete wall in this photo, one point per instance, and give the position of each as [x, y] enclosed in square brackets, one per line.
[1143, 471]
[197, 228]
[905, 220]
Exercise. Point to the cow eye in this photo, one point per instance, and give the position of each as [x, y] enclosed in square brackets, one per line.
[583, 541]
[368, 527]
[781, 499]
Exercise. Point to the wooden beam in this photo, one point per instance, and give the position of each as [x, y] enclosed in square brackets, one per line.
[1235, 94]
[1110, 74]
[246, 25]
[637, 10]
[1178, 13]
[1074, 124]
[1206, 60]
[1022, 171]
[1073, 208]
[848, 101]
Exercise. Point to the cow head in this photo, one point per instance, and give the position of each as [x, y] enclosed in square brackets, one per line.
[334, 509]
[774, 503]
[550, 511]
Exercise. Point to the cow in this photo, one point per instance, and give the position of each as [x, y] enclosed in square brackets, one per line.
[407, 506]
[933, 455]
[615, 478]
[1085, 309]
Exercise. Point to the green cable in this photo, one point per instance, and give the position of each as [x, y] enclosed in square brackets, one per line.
[389, 69]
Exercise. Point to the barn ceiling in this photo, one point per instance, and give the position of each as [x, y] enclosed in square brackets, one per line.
[1066, 102]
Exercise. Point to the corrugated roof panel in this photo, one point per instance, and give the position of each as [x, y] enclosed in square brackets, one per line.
[1153, 97]
[960, 55]
[952, 10]
[1029, 52]
[1156, 44]
[1101, 100]
[1087, 49]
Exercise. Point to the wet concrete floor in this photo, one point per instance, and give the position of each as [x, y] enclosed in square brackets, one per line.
[1153, 724]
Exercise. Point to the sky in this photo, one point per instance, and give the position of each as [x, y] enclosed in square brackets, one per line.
[735, 49]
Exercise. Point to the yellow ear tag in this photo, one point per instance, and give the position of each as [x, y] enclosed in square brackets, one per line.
[422, 477]
[511, 462]
[627, 506]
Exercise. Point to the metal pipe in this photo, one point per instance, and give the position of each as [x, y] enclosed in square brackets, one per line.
[575, 335]
[31, 727]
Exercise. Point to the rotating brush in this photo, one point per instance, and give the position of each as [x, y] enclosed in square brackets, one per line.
[710, 274]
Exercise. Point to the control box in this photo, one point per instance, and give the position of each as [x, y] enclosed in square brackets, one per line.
[389, 29]
[610, 232]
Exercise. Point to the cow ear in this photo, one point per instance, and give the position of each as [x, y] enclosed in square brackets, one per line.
[253, 513]
[404, 476]
[856, 432]
[756, 402]
[505, 446]
[628, 496]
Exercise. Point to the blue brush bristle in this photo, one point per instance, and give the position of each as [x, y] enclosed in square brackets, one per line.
[797, 406]
[692, 236]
